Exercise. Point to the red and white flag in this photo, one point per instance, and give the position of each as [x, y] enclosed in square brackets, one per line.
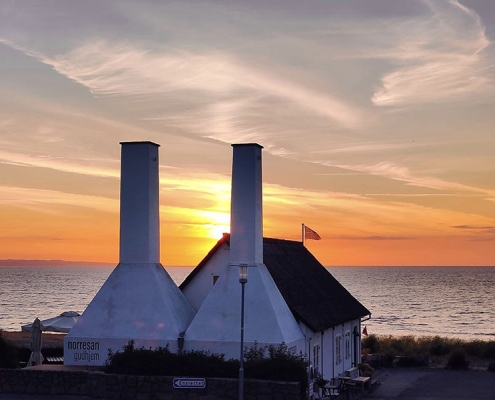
[310, 234]
[365, 331]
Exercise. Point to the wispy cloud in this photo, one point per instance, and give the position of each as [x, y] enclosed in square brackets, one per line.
[479, 232]
[50, 200]
[401, 173]
[124, 70]
[84, 166]
[380, 238]
[476, 228]
[439, 57]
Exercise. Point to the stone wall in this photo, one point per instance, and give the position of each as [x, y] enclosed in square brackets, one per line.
[99, 385]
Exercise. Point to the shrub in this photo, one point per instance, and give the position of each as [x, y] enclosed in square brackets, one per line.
[161, 361]
[275, 363]
[413, 350]
[371, 343]
[489, 351]
[9, 356]
[457, 361]
[366, 369]
[269, 363]
[439, 346]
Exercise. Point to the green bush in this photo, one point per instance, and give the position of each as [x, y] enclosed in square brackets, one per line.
[275, 363]
[161, 361]
[269, 363]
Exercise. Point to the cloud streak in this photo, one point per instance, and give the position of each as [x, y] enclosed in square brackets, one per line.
[125, 70]
[50, 200]
[440, 59]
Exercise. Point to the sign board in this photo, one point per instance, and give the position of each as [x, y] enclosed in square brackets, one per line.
[189, 383]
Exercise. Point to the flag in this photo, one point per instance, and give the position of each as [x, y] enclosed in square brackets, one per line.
[365, 331]
[310, 234]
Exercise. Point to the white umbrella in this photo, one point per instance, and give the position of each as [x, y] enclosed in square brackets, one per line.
[62, 323]
[36, 358]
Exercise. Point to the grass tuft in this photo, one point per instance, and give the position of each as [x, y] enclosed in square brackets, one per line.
[410, 350]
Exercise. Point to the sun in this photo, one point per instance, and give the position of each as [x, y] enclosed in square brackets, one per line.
[217, 231]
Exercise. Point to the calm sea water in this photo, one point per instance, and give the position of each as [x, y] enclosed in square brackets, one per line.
[447, 301]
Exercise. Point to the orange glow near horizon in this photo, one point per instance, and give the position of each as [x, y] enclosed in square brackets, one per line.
[367, 236]
[381, 143]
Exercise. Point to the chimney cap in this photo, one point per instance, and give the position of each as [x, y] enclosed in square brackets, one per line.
[247, 144]
[141, 142]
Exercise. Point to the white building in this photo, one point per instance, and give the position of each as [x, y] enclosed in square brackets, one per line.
[327, 314]
[290, 297]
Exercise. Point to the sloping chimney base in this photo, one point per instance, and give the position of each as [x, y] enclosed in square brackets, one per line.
[137, 302]
[268, 320]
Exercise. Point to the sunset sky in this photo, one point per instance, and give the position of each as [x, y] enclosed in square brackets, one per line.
[377, 119]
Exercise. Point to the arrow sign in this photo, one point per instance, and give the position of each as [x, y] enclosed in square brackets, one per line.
[189, 383]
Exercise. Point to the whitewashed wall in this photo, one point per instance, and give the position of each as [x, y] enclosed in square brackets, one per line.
[197, 290]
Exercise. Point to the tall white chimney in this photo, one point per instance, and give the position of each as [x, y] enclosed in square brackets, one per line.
[268, 320]
[139, 301]
[139, 203]
[246, 215]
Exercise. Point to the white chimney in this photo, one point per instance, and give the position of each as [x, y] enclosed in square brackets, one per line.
[246, 215]
[139, 301]
[268, 320]
[139, 203]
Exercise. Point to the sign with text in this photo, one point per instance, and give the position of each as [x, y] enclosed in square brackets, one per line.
[189, 383]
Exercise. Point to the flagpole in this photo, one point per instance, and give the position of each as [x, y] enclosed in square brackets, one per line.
[303, 235]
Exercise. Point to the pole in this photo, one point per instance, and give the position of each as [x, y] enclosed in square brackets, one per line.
[241, 359]
[303, 234]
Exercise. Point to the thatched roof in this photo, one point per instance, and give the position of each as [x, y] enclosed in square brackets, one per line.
[311, 292]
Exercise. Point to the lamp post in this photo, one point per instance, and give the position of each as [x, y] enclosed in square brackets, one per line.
[243, 278]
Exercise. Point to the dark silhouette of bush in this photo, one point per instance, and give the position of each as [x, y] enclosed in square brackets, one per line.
[389, 348]
[268, 363]
[457, 361]
[439, 347]
[371, 342]
[161, 361]
[275, 363]
[9, 356]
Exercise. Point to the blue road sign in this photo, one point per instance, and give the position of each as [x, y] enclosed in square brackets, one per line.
[189, 383]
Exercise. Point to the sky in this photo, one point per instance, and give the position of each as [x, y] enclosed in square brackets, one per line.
[376, 117]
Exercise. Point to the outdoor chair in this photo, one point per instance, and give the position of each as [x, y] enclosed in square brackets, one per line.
[334, 391]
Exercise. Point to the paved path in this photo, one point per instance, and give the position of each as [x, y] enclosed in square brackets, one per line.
[42, 397]
[395, 383]
[433, 384]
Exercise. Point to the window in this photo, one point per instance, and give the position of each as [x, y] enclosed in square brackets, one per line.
[316, 358]
[215, 279]
[347, 345]
[338, 356]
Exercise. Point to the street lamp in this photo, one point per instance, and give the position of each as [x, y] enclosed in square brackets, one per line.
[243, 278]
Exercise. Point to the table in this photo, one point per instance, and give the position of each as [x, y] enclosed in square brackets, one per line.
[361, 380]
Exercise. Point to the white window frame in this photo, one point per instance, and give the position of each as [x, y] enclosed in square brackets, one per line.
[338, 348]
[316, 358]
[347, 345]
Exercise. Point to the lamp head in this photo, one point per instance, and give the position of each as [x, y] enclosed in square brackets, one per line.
[243, 273]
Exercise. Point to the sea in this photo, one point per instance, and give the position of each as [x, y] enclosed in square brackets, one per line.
[456, 302]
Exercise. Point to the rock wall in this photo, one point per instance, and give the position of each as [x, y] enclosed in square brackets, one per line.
[99, 385]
